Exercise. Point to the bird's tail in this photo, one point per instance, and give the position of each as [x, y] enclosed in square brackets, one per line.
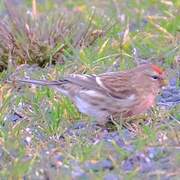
[39, 82]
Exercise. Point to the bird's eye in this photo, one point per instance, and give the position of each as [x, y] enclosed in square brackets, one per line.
[155, 77]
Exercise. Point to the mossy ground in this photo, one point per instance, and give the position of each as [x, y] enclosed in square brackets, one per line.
[42, 135]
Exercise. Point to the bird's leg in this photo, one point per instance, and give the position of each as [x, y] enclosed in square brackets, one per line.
[138, 118]
[133, 123]
[107, 123]
[132, 127]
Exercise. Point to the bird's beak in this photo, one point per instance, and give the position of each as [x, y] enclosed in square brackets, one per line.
[164, 82]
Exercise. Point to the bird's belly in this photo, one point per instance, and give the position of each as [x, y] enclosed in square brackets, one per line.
[87, 103]
[88, 109]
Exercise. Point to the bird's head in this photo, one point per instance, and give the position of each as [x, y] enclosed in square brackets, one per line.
[157, 75]
[152, 75]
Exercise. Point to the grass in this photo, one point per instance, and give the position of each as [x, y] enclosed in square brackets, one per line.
[37, 134]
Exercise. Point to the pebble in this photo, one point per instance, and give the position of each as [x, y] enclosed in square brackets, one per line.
[166, 94]
[78, 173]
[156, 153]
[175, 99]
[28, 140]
[14, 117]
[111, 176]
[138, 160]
[172, 82]
[99, 166]
[59, 157]
[171, 95]
[165, 163]
[115, 137]
[79, 125]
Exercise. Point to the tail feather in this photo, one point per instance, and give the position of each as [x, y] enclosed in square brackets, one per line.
[40, 82]
[52, 84]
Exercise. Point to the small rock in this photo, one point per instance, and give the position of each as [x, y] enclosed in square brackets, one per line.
[128, 135]
[111, 176]
[115, 137]
[79, 125]
[119, 141]
[83, 176]
[174, 91]
[28, 140]
[59, 157]
[165, 163]
[100, 165]
[155, 153]
[172, 82]
[139, 160]
[78, 173]
[128, 165]
[174, 99]
[166, 94]
[15, 117]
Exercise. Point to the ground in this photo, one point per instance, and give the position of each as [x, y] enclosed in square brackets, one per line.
[42, 135]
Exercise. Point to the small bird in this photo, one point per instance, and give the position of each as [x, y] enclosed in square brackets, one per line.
[112, 94]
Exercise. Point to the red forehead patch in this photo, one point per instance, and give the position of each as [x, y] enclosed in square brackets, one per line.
[157, 69]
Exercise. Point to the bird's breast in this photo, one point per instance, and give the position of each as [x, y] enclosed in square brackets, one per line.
[146, 103]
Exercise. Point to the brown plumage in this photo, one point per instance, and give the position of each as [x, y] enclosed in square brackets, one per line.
[113, 94]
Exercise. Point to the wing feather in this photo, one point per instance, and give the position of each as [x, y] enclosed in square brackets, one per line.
[114, 85]
[117, 85]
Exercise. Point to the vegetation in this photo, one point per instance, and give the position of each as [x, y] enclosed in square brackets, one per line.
[42, 135]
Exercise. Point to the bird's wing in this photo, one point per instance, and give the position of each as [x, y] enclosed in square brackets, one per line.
[118, 85]
[84, 81]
